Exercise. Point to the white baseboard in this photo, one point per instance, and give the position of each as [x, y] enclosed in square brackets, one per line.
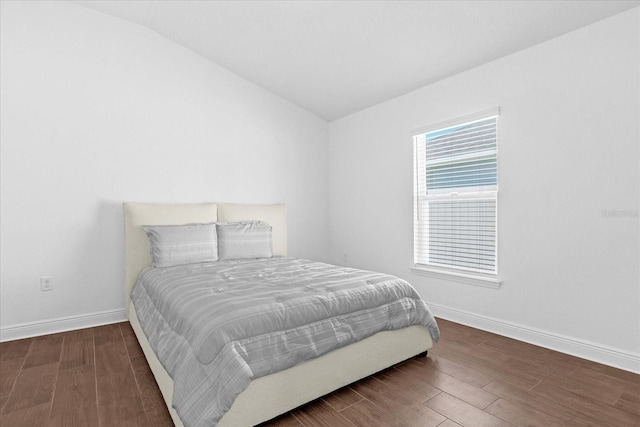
[606, 355]
[61, 324]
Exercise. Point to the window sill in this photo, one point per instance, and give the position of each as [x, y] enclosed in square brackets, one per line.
[469, 279]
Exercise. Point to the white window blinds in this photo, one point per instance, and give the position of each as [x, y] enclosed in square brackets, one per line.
[456, 184]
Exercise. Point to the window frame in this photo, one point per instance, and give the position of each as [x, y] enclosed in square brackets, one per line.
[444, 271]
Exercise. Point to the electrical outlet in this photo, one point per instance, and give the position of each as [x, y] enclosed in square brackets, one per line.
[46, 283]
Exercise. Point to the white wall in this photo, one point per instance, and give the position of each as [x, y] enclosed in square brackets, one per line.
[96, 111]
[568, 149]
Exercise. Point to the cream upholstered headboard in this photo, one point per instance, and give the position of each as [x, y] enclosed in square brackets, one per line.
[137, 215]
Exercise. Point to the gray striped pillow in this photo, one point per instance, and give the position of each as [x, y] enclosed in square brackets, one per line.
[245, 239]
[171, 245]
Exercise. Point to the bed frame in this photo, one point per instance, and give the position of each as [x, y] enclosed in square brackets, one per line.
[278, 393]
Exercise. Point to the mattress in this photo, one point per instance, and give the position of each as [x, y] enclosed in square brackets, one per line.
[202, 323]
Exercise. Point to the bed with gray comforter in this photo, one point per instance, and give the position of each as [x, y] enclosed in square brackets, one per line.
[216, 326]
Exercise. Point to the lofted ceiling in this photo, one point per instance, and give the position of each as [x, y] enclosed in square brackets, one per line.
[334, 58]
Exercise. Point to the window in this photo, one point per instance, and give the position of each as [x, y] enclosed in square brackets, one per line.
[456, 195]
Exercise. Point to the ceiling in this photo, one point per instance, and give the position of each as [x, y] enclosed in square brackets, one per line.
[335, 58]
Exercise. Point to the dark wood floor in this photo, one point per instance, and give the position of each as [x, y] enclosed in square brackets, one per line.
[99, 377]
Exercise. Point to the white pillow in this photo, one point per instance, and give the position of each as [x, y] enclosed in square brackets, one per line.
[171, 245]
[245, 239]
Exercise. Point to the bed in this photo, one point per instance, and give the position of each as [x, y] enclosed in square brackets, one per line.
[271, 395]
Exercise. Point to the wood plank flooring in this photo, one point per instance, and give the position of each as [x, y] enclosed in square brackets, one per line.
[99, 377]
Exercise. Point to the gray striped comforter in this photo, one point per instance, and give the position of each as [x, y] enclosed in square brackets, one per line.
[215, 326]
